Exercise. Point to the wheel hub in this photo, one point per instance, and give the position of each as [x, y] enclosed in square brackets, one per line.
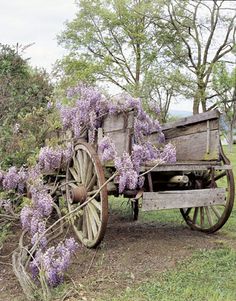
[79, 194]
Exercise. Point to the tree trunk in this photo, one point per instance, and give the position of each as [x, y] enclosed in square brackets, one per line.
[230, 137]
[196, 102]
[138, 70]
[200, 97]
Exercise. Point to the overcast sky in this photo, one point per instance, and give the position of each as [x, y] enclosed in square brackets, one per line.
[35, 21]
[39, 22]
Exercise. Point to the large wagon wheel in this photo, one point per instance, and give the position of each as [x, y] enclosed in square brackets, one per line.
[211, 218]
[84, 178]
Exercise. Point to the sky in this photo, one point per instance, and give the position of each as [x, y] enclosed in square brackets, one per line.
[38, 22]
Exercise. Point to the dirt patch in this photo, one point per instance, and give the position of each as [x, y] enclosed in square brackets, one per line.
[131, 253]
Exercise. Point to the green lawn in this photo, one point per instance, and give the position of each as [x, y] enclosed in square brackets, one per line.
[207, 276]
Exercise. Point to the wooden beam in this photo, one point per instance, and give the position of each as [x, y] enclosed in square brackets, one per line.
[186, 167]
[190, 129]
[183, 199]
[192, 119]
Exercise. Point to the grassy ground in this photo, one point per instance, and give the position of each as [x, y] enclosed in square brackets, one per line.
[209, 275]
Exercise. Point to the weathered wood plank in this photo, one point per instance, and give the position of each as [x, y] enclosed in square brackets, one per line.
[192, 119]
[191, 129]
[121, 121]
[122, 141]
[183, 199]
[187, 167]
[194, 146]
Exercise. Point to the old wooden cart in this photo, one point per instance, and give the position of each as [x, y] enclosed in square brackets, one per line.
[200, 183]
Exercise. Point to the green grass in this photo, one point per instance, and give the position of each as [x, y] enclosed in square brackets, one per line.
[207, 276]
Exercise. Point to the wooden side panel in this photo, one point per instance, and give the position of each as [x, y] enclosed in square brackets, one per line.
[191, 129]
[182, 199]
[195, 142]
[117, 122]
[122, 141]
[192, 119]
[194, 147]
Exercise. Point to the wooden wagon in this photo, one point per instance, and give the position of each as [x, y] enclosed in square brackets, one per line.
[200, 183]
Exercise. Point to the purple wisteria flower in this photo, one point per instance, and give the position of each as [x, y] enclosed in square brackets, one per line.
[11, 179]
[106, 149]
[168, 154]
[128, 176]
[89, 108]
[26, 216]
[54, 261]
[49, 159]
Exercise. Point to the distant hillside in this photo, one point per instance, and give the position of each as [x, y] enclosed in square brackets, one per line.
[176, 113]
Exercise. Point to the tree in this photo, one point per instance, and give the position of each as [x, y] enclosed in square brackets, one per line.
[224, 88]
[21, 87]
[163, 85]
[207, 33]
[116, 38]
[24, 94]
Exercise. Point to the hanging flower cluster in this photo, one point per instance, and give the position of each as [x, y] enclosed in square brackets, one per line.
[13, 179]
[54, 261]
[51, 159]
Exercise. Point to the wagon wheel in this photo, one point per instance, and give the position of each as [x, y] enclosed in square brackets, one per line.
[84, 178]
[211, 218]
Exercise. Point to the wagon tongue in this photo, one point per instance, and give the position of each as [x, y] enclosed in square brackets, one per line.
[79, 194]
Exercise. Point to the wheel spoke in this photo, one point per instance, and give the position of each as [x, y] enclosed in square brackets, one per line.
[95, 214]
[209, 217]
[84, 228]
[88, 224]
[90, 172]
[216, 211]
[92, 182]
[74, 174]
[85, 164]
[187, 211]
[77, 168]
[96, 204]
[92, 221]
[73, 185]
[220, 175]
[89, 193]
[195, 215]
[81, 165]
[202, 216]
